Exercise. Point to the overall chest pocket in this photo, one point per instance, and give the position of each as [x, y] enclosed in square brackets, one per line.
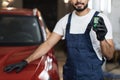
[76, 40]
[72, 40]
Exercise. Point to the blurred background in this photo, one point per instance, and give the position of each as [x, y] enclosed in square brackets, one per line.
[53, 10]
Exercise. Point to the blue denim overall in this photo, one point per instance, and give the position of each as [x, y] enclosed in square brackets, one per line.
[82, 62]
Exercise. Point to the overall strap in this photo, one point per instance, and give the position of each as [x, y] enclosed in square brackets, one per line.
[92, 20]
[68, 22]
[91, 23]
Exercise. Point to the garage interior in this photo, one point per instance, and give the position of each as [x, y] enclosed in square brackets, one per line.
[53, 10]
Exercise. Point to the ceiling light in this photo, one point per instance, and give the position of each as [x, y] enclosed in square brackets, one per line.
[66, 1]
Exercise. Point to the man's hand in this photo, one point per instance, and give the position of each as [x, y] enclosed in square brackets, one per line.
[100, 29]
[17, 66]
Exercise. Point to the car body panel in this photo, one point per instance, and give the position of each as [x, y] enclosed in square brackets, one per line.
[16, 11]
[44, 68]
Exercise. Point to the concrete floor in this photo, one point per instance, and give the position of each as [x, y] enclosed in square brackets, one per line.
[112, 68]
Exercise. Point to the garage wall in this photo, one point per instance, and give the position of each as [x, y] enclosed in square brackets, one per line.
[0, 3]
[115, 20]
[18, 3]
[63, 9]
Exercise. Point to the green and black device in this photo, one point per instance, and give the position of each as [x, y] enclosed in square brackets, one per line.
[96, 18]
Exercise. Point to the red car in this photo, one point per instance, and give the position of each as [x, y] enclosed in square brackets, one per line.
[21, 32]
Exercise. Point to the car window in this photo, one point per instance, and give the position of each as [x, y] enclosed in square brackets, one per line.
[20, 30]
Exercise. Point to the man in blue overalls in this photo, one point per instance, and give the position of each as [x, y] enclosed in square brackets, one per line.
[87, 42]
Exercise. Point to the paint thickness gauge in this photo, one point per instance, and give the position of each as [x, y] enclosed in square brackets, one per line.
[95, 21]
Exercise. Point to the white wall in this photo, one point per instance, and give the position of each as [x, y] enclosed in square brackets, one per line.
[115, 20]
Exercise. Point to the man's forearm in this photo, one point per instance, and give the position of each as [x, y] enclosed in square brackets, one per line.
[107, 48]
[42, 50]
[45, 47]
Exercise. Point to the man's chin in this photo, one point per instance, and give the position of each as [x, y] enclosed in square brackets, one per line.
[79, 8]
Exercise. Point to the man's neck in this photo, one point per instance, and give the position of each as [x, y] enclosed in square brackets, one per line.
[82, 13]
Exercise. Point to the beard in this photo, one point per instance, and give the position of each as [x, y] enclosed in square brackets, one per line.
[78, 9]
